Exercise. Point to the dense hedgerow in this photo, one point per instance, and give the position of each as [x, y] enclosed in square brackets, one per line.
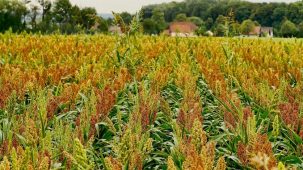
[140, 102]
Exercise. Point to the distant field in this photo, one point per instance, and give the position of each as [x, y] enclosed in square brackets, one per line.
[109, 102]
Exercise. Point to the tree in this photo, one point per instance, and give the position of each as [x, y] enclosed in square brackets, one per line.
[220, 20]
[197, 8]
[262, 14]
[158, 18]
[127, 17]
[196, 20]
[33, 16]
[295, 12]
[149, 26]
[88, 16]
[181, 17]
[102, 24]
[278, 15]
[267, 14]
[220, 30]
[25, 12]
[46, 25]
[235, 29]
[243, 12]
[11, 14]
[300, 29]
[109, 21]
[224, 25]
[201, 30]
[247, 26]
[288, 29]
[46, 7]
[209, 23]
[62, 11]
[76, 16]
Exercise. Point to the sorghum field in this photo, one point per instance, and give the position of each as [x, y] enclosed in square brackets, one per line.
[141, 102]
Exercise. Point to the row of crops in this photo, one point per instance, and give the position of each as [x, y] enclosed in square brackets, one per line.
[140, 102]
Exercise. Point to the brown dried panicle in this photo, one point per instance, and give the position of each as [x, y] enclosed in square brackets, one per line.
[193, 160]
[112, 164]
[263, 145]
[290, 114]
[247, 112]
[106, 100]
[230, 120]
[242, 153]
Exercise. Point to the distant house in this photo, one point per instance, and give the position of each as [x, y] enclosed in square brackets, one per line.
[181, 29]
[267, 31]
[259, 31]
[114, 29]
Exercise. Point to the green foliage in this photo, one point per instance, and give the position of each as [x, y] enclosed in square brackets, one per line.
[46, 7]
[196, 20]
[247, 26]
[288, 29]
[11, 15]
[267, 15]
[220, 30]
[300, 29]
[149, 26]
[127, 17]
[158, 18]
[181, 17]
[61, 16]
[133, 28]
[201, 30]
[62, 11]
[88, 16]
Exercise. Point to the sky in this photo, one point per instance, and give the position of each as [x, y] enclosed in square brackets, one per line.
[106, 6]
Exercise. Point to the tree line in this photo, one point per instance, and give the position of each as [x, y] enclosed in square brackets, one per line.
[222, 17]
[231, 17]
[46, 16]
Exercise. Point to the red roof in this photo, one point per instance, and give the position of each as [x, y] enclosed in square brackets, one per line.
[182, 27]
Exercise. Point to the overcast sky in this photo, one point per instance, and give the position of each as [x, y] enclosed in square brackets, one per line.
[106, 6]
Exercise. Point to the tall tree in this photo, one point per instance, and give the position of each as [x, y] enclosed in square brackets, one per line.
[295, 12]
[127, 17]
[300, 29]
[102, 24]
[76, 17]
[149, 26]
[209, 23]
[247, 26]
[46, 7]
[62, 11]
[279, 14]
[33, 15]
[196, 20]
[158, 18]
[288, 29]
[263, 14]
[11, 15]
[25, 12]
[89, 17]
[220, 30]
[243, 12]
